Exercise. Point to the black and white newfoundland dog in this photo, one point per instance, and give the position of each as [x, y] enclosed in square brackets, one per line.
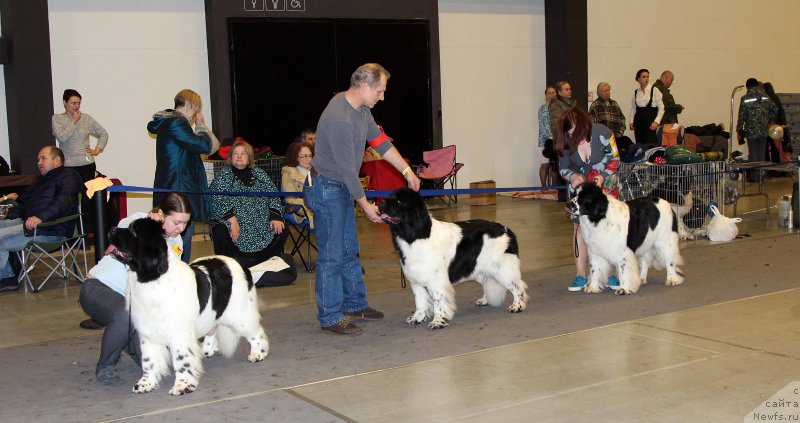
[632, 236]
[172, 304]
[435, 255]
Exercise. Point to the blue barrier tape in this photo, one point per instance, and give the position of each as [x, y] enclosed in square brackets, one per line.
[368, 193]
[424, 192]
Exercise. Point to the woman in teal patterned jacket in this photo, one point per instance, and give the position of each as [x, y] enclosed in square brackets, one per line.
[248, 228]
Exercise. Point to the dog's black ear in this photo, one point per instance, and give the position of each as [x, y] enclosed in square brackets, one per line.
[151, 250]
[415, 221]
[417, 206]
[592, 202]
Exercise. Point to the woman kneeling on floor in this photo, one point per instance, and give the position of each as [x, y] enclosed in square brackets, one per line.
[102, 295]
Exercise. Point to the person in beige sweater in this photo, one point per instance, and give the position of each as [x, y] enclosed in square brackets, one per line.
[297, 164]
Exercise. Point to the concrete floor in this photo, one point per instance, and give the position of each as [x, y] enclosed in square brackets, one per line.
[720, 361]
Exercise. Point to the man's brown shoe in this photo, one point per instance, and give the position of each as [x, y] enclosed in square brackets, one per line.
[343, 327]
[368, 313]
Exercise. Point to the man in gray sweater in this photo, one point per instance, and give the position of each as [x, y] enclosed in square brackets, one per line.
[343, 130]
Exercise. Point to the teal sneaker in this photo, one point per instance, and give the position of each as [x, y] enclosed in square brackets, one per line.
[577, 284]
[613, 282]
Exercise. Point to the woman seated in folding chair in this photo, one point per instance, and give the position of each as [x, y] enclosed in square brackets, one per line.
[246, 227]
[102, 295]
[297, 164]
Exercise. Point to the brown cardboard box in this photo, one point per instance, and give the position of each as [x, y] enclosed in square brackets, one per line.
[483, 199]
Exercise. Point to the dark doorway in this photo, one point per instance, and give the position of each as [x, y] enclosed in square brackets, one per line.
[284, 72]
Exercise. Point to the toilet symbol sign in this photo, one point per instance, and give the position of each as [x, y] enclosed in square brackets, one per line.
[274, 5]
[254, 5]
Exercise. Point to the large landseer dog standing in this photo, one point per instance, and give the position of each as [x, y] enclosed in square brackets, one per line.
[173, 304]
[632, 236]
[435, 255]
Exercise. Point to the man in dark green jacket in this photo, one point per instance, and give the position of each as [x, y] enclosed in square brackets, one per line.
[756, 109]
[560, 104]
[671, 109]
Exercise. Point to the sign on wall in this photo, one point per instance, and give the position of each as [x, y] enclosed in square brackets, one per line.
[274, 5]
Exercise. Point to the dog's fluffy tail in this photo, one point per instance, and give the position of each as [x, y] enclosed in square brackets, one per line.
[494, 293]
[228, 340]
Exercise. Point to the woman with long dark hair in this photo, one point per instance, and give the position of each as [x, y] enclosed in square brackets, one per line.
[588, 153]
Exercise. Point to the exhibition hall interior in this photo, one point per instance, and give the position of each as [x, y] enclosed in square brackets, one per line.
[481, 100]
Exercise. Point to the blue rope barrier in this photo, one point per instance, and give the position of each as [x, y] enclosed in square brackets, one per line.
[424, 192]
[368, 193]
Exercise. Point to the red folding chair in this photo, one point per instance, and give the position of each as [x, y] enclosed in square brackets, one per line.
[441, 168]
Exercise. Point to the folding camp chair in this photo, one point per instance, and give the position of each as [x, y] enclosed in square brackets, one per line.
[300, 232]
[441, 168]
[68, 263]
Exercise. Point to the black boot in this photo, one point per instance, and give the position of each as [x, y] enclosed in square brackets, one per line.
[9, 284]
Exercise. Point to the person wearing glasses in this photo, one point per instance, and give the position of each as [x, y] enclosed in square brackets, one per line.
[248, 228]
[297, 164]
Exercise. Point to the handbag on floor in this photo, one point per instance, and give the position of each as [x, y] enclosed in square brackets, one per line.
[721, 227]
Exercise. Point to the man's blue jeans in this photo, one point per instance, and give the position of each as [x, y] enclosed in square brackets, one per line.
[12, 239]
[340, 285]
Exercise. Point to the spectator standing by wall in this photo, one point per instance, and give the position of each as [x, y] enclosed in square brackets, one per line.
[647, 109]
[72, 130]
[606, 111]
[756, 109]
[671, 109]
[547, 170]
[560, 104]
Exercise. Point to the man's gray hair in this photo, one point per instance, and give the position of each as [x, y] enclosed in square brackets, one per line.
[560, 85]
[602, 85]
[369, 73]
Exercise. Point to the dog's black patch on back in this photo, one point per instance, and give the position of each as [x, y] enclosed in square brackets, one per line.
[644, 217]
[221, 283]
[674, 223]
[513, 247]
[471, 245]
[592, 202]
[203, 287]
[249, 277]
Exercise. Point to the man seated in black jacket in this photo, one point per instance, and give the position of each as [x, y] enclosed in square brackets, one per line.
[52, 195]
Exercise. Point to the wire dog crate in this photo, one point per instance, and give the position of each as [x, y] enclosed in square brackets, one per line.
[689, 188]
[272, 166]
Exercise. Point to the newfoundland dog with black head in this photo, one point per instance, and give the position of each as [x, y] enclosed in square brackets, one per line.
[173, 304]
[632, 236]
[435, 255]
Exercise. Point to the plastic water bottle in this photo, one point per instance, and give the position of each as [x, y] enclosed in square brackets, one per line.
[784, 210]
